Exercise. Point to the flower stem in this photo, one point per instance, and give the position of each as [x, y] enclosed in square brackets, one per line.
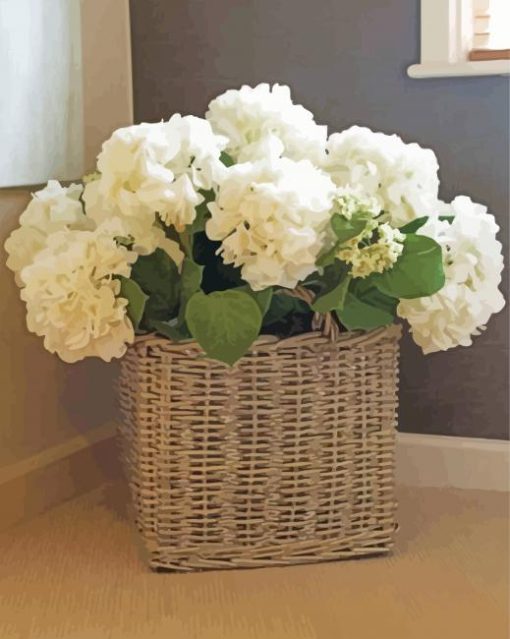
[186, 240]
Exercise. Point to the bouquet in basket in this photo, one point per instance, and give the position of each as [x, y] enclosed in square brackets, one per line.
[252, 221]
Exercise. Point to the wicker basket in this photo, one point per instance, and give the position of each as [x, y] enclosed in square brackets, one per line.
[286, 458]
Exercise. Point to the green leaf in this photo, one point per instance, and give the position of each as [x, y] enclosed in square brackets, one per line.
[418, 272]
[202, 213]
[358, 315]
[347, 229]
[282, 305]
[224, 323]
[191, 278]
[333, 299]
[158, 277]
[170, 330]
[226, 159]
[329, 256]
[414, 225]
[136, 298]
[334, 285]
[263, 298]
[365, 290]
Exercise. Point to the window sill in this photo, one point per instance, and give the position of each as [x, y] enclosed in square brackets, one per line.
[459, 69]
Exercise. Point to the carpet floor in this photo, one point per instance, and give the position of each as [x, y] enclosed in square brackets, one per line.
[76, 572]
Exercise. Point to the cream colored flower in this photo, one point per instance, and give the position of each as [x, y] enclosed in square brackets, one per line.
[144, 231]
[351, 200]
[51, 209]
[271, 217]
[402, 177]
[263, 121]
[366, 256]
[160, 168]
[72, 296]
[473, 261]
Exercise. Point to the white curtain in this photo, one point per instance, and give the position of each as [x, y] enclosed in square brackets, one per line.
[41, 107]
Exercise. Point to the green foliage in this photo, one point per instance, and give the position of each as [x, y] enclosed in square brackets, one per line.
[202, 213]
[347, 229]
[224, 323]
[157, 275]
[136, 298]
[365, 291]
[283, 305]
[418, 272]
[334, 285]
[357, 314]
[210, 302]
[344, 230]
[327, 258]
[191, 278]
[287, 316]
[226, 159]
[171, 330]
[414, 225]
[263, 298]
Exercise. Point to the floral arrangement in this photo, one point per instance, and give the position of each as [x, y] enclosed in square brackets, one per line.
[205, 229]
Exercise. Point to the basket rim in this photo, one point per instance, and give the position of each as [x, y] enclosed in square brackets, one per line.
[264, 342]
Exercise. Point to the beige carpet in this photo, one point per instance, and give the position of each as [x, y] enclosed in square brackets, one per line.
[76, 573]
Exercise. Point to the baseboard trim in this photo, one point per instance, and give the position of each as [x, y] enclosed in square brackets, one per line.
[83, 463]
[57, 474]
[455, 462]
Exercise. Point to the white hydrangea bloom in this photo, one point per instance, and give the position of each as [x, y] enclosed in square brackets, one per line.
[473, 261]
[160, 168]
[72, 298]
[271, 217]
[143, 230]
[403, 177]
[51, 209]
[350, 200]
[262, 120]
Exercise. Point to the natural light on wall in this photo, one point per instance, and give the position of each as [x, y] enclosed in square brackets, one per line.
[491, 30]
[463, 38]
[41, 110]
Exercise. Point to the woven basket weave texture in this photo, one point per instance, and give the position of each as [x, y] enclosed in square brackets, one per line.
[285, 458]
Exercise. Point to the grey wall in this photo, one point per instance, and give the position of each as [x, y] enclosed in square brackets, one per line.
[346, 62]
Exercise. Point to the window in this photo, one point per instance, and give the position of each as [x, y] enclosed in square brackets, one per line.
[41, 116]
[491, 30]
[463, 38]
[65, 85]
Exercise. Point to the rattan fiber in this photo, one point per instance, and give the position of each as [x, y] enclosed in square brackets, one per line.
[285, 458]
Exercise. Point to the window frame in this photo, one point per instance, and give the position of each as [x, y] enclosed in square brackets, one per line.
[446, 28]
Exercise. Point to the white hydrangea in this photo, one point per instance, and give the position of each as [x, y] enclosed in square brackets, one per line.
[160, 168]
[144, 231]
[51, 209]
[350, 200]
[473, 261]
[262, 120]
[72, 298]
[403, 177]
[271, 217]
